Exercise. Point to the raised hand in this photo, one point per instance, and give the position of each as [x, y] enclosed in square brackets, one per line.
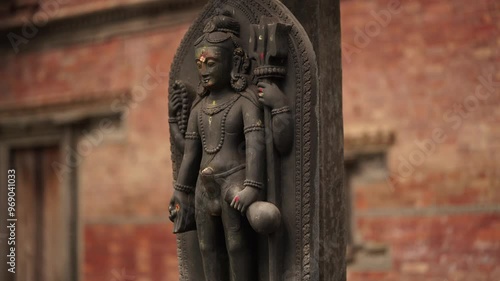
[175, 100]
[271, 95]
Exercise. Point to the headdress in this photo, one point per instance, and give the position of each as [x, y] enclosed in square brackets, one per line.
[221, 30]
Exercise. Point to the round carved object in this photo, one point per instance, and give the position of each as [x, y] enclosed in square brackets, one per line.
[264, 217]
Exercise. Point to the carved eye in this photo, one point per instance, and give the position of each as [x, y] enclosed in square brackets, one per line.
[198, 64]
[210, 63]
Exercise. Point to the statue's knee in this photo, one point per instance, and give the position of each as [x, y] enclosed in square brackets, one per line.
[235, 246]
[207, 247]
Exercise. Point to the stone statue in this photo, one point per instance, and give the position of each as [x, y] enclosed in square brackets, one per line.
[245, 136]
[221, 183]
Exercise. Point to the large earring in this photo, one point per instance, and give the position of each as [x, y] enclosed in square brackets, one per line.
[238, 82]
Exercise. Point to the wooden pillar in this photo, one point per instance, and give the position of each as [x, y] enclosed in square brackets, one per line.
[321, 20]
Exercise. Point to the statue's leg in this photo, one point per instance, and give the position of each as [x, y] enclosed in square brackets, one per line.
[210, 237]
[241, 242]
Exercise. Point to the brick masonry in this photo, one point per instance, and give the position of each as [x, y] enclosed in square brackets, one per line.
[415, 68]
[130, 252]
[447, 247]
[412, 68]
[125, 182]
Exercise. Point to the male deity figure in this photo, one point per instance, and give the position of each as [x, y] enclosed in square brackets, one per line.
[223, 166]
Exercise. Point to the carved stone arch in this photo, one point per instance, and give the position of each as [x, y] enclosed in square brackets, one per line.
[299, 169]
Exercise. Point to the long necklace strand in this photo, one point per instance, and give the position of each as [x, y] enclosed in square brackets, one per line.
[222, 127]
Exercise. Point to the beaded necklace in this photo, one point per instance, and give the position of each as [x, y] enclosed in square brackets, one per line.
[210, 111]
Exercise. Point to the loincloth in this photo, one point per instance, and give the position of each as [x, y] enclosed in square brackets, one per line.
[217, 188]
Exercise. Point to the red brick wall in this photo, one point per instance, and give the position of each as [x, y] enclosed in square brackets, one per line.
[131, 179]
[414, 74]
[447, 247]
[130, 252]
[125, 183]
[416, 69]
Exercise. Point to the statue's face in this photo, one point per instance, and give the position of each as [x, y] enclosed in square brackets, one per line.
[214, 67]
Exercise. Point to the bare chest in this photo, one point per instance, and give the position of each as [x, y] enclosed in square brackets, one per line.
[217, 123]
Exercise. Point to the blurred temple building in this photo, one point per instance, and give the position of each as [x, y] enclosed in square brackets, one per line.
[83, 120]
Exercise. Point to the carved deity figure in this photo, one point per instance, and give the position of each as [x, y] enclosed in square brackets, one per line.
[223, 169]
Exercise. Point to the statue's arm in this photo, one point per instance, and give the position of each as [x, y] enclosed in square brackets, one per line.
[176, 135]
[253, 121]
[182, 202]
[282, 127]
[190, 165]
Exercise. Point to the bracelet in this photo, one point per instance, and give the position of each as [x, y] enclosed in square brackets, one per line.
[254, 184]
[173, 120]
[183, 188]
[280, 110]
[253, 128]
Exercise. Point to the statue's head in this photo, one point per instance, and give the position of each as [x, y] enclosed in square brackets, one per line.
[220, 59]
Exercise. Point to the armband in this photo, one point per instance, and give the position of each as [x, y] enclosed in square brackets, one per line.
[280, 110]
[253, 128]
[254, 184]
[184, 188]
